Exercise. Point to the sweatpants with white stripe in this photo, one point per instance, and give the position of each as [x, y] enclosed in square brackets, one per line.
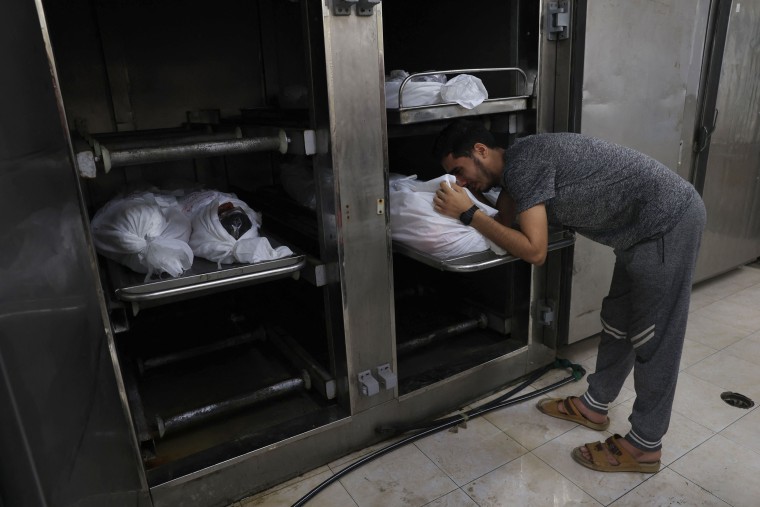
[643, 327]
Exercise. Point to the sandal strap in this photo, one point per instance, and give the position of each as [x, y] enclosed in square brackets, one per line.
[620, 453]
[598, 454]
[599, 450]
[570, 407]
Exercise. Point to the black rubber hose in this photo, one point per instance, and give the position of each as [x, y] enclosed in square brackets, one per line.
[578, 373]
[443, 424]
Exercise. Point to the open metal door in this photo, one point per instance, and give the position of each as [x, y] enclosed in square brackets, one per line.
[64, 436]
[727, 164]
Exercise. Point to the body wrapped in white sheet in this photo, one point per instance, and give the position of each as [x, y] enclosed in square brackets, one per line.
[144, 231]
[415, 223]
[209, 238]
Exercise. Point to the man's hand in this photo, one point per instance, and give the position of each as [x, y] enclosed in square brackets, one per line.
[451, 200]
[530, 243]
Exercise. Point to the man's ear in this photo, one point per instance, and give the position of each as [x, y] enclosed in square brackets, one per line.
[480, 149]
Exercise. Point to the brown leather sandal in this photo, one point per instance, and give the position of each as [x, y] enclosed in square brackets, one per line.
[549, 407]
[625, 461]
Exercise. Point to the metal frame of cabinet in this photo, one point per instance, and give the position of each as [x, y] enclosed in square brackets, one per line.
[73, 365]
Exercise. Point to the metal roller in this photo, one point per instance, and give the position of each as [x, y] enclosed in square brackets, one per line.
[168, 139]
[119, 157]
[199, 415]
[440, 334]
[158, 361]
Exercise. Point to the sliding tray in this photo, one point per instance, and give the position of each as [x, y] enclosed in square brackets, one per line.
[433, 112]
[558, 238]
[204, 277]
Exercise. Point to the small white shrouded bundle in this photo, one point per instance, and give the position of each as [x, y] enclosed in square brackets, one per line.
[415, 223]
[145, 232]
[428, 89]
[210, 238]
[466, 90]
[419, 91]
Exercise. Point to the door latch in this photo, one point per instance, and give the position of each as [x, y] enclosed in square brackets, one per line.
[704, 134]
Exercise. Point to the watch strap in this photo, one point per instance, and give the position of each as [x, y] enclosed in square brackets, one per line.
[466, 217]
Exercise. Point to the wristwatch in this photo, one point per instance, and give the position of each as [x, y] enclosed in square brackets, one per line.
[466, 217]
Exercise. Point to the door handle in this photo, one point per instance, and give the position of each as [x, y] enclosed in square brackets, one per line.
[704, 134]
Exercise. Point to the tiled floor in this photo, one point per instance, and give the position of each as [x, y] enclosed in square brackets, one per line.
[516, 456]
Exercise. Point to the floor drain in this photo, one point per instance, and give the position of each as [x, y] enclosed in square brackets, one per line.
[737, 400]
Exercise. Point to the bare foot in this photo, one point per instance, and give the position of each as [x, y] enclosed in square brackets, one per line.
[641, 456]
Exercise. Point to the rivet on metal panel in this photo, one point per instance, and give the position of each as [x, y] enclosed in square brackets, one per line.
[380, 206]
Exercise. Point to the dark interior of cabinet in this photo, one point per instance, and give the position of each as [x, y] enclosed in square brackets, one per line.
[481, 35]
[429, 301]
[149, 68]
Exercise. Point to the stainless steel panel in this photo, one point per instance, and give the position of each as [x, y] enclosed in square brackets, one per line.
[640, 81]
[638, 68]
[355, 83]
[64, 439]
[732, 179]
[554, 76]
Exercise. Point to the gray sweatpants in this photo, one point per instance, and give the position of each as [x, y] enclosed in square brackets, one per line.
[643, 327]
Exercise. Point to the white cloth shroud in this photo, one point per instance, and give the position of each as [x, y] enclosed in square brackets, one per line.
[210, 240]
[144, 231]
[414, 94]
[415, 223]
[464, 89]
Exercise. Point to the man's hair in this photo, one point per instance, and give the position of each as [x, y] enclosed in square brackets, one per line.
[459, 137]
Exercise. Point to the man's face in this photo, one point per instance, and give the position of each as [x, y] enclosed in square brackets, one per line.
[470, 172]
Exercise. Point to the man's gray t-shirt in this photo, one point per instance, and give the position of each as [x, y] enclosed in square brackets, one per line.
[609, 193]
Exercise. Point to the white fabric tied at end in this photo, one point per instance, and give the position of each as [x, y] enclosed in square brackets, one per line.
[144, 233]
[466, 90]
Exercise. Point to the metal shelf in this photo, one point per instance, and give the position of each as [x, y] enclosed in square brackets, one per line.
[202, 278]
[434, 112]
[478, 261]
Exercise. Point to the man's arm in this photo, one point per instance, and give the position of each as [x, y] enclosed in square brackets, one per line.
[506, 206]
[530, 243]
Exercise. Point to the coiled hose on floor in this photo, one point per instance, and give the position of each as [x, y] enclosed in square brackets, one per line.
[423, 430]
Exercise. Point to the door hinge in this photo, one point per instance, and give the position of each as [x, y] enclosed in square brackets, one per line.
[363, 7]
[545, 311]
[558, 20]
